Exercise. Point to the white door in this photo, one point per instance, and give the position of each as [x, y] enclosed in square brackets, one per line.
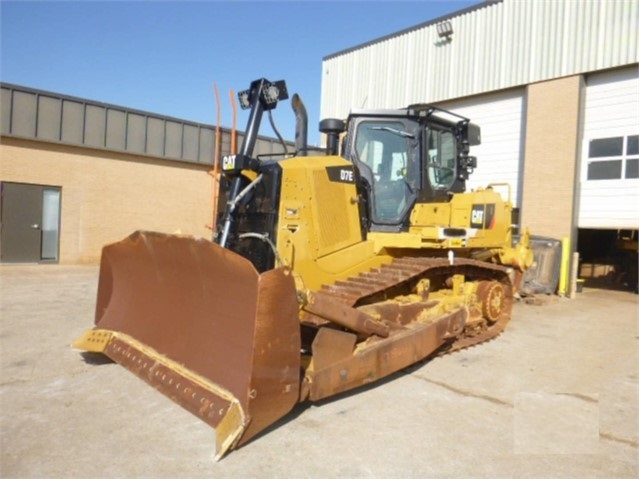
[609, 170]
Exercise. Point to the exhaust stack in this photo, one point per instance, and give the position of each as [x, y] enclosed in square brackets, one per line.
[301, 126]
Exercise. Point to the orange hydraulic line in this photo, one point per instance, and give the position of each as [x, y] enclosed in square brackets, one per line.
[233, 129]
[215, 173]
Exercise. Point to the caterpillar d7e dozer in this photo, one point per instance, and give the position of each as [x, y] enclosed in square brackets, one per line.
[326, 272]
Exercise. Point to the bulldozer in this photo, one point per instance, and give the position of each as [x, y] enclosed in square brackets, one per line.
[326, 272]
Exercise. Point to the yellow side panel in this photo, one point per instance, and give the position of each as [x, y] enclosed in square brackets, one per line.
[460, 217]
[322, 214]
[335, 214]
[479, 219]
[319, 232]
[430, 214]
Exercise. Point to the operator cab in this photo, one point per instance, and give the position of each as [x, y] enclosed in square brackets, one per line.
[415, 155]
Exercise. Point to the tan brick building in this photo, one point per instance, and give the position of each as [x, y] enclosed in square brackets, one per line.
[77, 174]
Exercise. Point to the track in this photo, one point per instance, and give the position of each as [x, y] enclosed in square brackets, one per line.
[399, 277]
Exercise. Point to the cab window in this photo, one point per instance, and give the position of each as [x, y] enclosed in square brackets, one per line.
[442, 156]
[386, 148]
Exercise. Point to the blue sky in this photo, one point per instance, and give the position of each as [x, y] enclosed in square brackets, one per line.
[163, 57]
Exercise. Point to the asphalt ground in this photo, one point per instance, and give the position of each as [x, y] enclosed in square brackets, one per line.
[556, 395]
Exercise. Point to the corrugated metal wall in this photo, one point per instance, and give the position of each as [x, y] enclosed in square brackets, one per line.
[45, 116]
[495, 45]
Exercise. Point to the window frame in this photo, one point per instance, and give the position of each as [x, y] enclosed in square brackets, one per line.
[624, 162]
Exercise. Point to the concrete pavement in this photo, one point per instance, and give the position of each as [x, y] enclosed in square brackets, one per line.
[556, 395]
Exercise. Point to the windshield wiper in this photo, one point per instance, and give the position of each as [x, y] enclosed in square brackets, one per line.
[403, 134]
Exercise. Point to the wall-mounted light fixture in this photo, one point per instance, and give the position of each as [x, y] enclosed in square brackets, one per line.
[444, 29]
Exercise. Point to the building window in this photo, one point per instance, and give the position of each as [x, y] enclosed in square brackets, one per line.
[613, 158]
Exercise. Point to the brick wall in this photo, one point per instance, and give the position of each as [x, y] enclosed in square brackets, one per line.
[551, 156]
[106, 196]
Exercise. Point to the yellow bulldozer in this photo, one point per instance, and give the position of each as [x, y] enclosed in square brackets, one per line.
[326, 271]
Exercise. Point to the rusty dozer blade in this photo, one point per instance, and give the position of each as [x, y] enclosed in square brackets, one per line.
[198, 323]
